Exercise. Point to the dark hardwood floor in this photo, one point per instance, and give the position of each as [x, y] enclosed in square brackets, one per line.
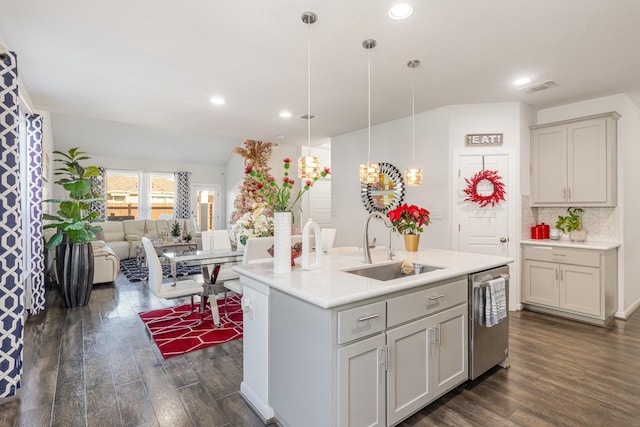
[96, 366]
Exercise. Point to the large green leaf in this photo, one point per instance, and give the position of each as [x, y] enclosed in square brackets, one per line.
[91, 171]
[54, 241]
[78, 189]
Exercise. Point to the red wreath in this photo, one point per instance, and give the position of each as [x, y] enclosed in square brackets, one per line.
[493, 198]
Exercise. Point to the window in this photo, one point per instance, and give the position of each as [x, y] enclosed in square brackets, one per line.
[139, 195]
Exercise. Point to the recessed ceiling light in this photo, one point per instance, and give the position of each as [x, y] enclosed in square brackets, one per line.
[521, 81]
[285, 114]
[400, 11]
[217, 100]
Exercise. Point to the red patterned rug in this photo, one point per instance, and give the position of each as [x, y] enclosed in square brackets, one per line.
[174, 343]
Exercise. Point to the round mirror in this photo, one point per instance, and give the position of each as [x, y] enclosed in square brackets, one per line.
[386, 194]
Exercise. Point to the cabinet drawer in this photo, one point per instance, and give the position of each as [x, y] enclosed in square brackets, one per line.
[361, 321]
[563, 255]
[417, 304]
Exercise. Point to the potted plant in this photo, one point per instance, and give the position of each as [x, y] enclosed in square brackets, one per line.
[571, 224]
[75, 228]
[409, 221]
[175, 231]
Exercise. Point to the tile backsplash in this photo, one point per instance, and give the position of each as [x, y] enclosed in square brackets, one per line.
[601, 223]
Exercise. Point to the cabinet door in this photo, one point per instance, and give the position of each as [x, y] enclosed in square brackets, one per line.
[549, 165]
[540, 283]
[587, 161]
[580, 289]
[450, 355]
[409, 378]
[361, 383]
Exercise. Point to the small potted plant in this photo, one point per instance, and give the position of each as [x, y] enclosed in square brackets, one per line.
[571, 224]
[175, 231]
[410, 220]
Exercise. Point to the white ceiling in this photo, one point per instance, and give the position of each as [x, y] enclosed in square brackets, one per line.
[157, 63]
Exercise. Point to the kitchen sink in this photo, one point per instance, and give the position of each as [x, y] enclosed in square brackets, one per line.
[393, 271]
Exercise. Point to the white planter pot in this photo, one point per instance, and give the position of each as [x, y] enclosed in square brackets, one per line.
[578, 235]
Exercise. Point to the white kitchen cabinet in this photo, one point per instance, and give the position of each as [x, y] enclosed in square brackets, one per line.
[371, 363]
[361, 383]
[573, 162]
[576, 283]
[427, 358]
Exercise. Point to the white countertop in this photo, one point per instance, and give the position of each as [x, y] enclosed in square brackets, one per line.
[601, 246]
[329, 286]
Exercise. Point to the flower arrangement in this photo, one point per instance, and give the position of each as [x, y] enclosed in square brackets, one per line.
[409, 219]
[278, 197]
[256, 223]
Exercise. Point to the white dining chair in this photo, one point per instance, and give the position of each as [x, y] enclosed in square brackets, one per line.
[169, 290]
[327, 238]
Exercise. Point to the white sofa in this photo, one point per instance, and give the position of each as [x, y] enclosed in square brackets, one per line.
[106, 263]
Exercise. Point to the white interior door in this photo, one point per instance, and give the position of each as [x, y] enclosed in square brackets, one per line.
[481, 229]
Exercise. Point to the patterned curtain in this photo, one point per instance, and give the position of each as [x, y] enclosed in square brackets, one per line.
[11, 280]
[100, 185]
[34, 183]
[182, 191]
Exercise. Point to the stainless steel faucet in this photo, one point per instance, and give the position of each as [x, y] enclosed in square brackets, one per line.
[365, 246]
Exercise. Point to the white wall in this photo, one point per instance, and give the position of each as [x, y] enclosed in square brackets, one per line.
[438, 133]
[628, 177]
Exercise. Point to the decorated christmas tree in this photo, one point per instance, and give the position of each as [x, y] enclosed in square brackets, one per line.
[256, 155]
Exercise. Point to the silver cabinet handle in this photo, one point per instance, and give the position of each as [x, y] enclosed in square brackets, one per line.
[504, 239]
[556, 270]
[569, 192]
[564, 194]
[432, 336]
[436, 297]
[557, 254]
[364, 318]
[384, 357]
[561, 275]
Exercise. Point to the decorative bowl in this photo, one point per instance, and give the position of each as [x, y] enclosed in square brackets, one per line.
[296, 251]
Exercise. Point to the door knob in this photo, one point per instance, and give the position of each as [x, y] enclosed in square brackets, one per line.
[504, 239]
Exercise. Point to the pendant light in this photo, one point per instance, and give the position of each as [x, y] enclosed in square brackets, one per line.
[413, 175]
[309, 166]
[369, 172]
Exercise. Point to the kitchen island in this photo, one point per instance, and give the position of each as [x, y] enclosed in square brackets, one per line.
[327, 347]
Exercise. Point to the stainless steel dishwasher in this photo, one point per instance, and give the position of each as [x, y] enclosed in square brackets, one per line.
[488, 346]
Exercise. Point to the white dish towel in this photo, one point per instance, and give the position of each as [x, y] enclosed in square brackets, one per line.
[496, 301]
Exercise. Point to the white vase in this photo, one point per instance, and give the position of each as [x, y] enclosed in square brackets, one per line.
[578, 235]
[281, 242]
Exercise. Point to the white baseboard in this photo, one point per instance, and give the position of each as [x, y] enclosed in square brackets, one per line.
[625, 314]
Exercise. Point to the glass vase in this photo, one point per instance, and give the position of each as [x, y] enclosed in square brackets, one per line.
[281, 242]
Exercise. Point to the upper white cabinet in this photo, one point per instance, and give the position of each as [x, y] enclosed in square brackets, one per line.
[573, 162]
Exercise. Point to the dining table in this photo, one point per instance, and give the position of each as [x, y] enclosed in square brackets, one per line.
[216, 257]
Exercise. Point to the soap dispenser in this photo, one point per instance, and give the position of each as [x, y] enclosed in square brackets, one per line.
[306, 246]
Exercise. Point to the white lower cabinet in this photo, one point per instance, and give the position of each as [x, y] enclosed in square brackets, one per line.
[426, 358]
[361, 383]
[576, 283]
[385, 378]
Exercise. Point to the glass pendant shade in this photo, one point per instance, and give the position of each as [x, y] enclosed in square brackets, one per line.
[413, 176]
[369, 173]
[308, 167]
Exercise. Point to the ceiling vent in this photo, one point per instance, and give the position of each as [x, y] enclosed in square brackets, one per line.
[307, 117]
[537, 87]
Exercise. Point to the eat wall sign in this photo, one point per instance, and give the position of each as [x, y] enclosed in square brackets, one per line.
[474, 139]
